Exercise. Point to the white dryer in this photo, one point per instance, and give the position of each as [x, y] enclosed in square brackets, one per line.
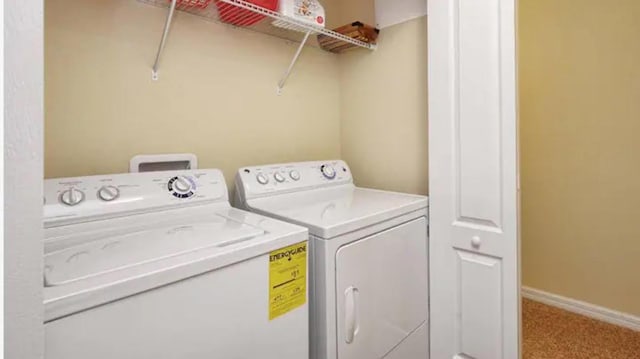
[369, 260]
[158, 265]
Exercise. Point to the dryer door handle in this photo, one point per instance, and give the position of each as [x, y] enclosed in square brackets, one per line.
[351, 314]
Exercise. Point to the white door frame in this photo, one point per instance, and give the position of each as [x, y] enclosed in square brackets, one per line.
[473, 175]
[23, 74]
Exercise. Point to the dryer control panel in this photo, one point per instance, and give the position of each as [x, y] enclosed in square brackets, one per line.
[259, 181]
[76, 199]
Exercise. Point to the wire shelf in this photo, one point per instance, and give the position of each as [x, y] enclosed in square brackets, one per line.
[243, 14]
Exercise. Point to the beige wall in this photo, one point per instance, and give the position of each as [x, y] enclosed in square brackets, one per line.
[580, 149]
[215, 97]
[384, 110]
[342, 12]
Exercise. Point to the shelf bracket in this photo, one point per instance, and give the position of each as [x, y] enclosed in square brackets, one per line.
[163, 41]
[286, 74]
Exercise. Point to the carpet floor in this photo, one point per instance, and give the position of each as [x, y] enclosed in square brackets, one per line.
[552, 333]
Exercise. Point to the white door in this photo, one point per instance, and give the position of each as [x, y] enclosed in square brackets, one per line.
[382, 300]
[473, 170]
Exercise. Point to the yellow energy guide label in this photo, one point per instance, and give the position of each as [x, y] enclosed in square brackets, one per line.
[287, 279]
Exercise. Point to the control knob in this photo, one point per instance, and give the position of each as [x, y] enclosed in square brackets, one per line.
[181, 187]
[295, 175]
[262, 179]
[108, 193]
[278, 177]
[328, 171]
[181, 184]
[71, 196]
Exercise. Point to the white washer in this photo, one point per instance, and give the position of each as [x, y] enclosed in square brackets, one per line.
[158, 265]
[369, 260]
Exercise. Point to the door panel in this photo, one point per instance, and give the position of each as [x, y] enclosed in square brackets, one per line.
[478, 170]
[382, 284]
[479, 303]
[473, 209]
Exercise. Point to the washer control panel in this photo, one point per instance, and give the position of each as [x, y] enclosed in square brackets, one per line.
[279, 178]
[69, 199]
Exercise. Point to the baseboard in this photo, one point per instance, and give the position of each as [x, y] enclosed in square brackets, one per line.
[583, 308]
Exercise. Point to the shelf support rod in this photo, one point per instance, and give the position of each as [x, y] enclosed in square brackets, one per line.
[163, 41]
[286, 74]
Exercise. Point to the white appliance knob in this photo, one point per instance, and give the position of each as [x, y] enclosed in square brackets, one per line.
[295, 175]
[71, 197]
[328, 171]
[108, 193]
[262, 179]
[181, 184]
[278, 177]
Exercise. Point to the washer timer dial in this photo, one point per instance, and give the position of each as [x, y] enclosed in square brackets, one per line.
[181, 187]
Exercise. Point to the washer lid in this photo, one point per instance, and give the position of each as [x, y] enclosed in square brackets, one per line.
[331, 212]
[119, 252]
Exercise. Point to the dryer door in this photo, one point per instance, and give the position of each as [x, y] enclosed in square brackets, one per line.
[382, 284]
